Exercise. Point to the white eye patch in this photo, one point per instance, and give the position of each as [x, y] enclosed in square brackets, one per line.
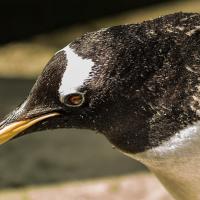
[76, 73]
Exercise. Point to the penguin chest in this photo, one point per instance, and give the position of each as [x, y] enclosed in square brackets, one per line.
[176, 163]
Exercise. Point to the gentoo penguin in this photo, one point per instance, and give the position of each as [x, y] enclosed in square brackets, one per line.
[137, 84]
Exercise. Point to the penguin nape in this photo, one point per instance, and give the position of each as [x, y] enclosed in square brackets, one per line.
[137, 84]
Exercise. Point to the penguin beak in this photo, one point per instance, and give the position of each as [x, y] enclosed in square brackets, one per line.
[13, 129]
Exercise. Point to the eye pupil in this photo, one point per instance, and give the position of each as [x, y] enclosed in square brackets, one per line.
[75, 99]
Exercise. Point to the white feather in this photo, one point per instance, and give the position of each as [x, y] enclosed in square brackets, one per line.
[76, 73]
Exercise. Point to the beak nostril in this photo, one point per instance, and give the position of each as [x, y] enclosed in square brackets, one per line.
[1, 124]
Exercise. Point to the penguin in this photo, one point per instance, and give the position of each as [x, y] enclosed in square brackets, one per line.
[138, 85]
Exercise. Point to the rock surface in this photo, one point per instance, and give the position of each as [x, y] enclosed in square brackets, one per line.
[132, 187]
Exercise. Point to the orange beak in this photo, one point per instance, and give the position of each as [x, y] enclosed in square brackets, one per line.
[15, 128]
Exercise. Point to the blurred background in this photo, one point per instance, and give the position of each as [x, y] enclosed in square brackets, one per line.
[30, 33]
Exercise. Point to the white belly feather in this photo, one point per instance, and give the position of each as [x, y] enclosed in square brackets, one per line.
[177, 163]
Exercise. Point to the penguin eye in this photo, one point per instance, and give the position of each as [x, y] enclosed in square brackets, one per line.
[74, 99]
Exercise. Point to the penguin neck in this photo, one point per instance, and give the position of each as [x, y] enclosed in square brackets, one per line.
[176, 163]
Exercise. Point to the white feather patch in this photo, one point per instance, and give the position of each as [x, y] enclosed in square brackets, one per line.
[76, 73]
[183, 144]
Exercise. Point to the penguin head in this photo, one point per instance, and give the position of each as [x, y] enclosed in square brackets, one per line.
[80, 87]
[120, 81]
